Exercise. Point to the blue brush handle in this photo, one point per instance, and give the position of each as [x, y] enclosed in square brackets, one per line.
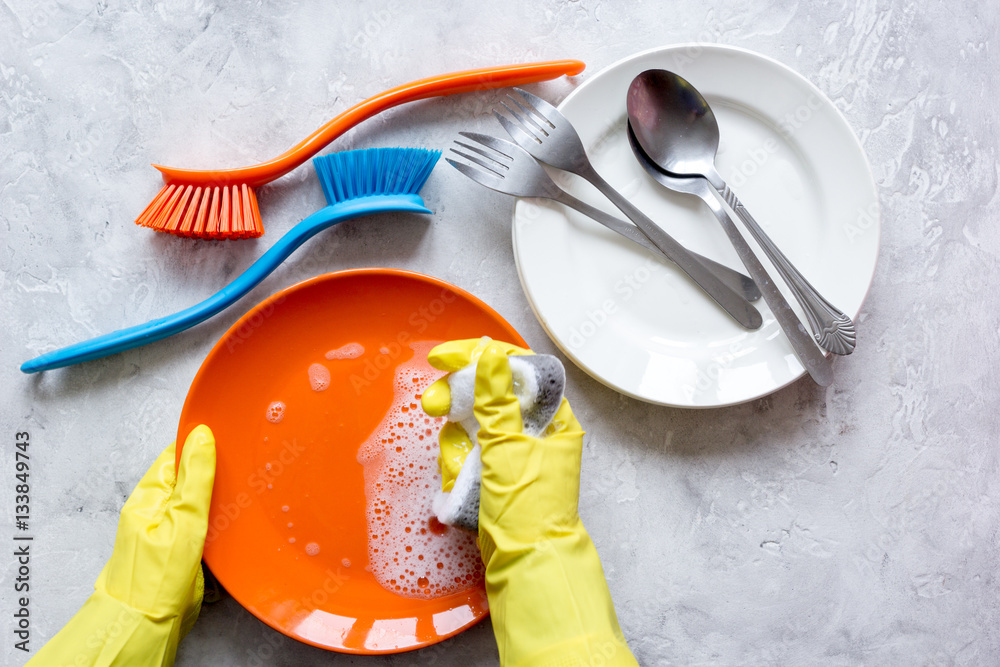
[126, 339]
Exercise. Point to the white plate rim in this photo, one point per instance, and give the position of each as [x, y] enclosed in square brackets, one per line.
[836, 115]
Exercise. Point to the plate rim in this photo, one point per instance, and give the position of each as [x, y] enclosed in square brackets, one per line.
[837, 116]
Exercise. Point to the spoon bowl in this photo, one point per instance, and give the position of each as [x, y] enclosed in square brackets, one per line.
[673, 123]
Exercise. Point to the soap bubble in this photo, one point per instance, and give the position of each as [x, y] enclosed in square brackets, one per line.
[275, 412]
[319, 377]
[349, 351]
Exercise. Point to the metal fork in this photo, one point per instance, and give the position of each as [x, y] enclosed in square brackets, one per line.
[508, 168]
[548, 136]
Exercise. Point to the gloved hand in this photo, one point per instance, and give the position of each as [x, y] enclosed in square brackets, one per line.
[149, 593]
[549, 601]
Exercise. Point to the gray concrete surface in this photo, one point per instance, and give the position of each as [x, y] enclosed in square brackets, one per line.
[856, 525]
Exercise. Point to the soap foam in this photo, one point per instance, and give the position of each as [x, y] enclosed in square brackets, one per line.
[349, 351]
[410, 552]
[462, 384]
[319, 377]
[275, 412]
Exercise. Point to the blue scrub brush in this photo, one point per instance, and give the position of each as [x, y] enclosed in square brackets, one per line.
[356, 183]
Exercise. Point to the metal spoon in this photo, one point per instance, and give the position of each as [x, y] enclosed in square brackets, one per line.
[819, 367]
[678, 132]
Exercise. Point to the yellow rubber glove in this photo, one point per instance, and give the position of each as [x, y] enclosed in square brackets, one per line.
[549, 601]
[149, 593]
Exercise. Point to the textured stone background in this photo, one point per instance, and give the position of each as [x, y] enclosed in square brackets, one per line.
[848, 526]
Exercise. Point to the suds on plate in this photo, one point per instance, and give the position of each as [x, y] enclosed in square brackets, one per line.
[408, 553]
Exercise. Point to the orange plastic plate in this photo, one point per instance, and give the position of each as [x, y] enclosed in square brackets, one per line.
[288, 534]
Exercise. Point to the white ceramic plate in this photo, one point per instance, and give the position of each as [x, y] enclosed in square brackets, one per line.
[638, 324]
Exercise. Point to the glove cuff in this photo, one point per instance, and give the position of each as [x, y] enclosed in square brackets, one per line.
[607, 650]
[549, 601]
[108, 632]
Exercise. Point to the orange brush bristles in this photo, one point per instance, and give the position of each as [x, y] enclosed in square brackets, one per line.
[204, 212]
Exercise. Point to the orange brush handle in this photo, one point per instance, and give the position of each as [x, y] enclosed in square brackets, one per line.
[435, 86]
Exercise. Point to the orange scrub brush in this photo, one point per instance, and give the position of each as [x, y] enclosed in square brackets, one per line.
[221, 204]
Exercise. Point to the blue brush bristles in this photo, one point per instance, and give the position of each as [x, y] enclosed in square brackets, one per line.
[373, 172]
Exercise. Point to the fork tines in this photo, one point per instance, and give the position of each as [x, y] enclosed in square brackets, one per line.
[496, 160]
[534, 120]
